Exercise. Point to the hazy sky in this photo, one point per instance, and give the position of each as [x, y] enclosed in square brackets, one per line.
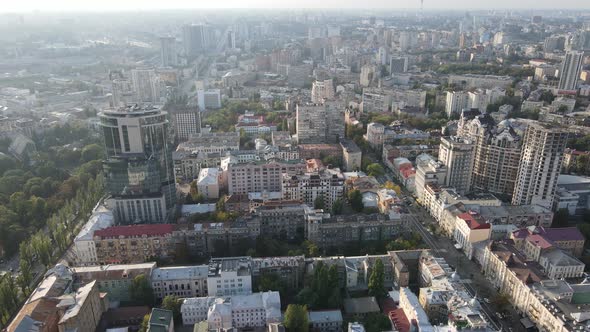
[113, 5]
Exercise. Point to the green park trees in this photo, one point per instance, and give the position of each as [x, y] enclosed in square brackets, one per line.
[296, 318]
[141, 291]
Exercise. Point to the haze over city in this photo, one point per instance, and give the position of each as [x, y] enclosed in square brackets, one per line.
[294, 166]
[113, 5]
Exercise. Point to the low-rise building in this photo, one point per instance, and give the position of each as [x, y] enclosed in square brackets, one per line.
[161, 320]
[114, 280]
[326, 320]
[338, 231]
[133, 244]
[82, 310]
[351, 155]
[229, 276]
[208, 183]
[180, 281]
[254, 310]
[83, 250]
[471, 228]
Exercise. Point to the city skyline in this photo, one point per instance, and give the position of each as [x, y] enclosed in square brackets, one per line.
[132, 5]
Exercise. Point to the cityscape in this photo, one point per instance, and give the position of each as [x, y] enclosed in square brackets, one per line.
[298, 167]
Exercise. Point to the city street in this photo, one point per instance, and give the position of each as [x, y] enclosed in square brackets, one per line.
[470, 272]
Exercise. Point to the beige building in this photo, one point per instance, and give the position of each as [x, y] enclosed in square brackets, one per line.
[208, 183]
[115, 280]
[83, 309]
[250, 177]
[351, 155]
[307, 187]
[134, 244]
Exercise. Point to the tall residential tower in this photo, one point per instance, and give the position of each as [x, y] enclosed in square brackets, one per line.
[540, 163]
[138, 167]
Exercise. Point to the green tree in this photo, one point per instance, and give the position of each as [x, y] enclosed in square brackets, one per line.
[355, 198]
[173, 303]
[296, 318]
[91, 152]
[376, 280]
[318, 202]
[337, 207]
[145, 323]
[271, 282]
[141, 292]
[375, 169]
[41, 245]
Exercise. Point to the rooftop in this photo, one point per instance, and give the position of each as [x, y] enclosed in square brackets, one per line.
[325, 316]
[74, 302]
[160, 320]
[360, 305]
[180, 272]
[135, 230]
[241, 265]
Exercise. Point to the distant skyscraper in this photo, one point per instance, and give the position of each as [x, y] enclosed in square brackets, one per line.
[138, 168]
[122, 92]
[570, 70]
[456, 102]
[168, 54]
[196, 38]
[398, 64]
[321, 90]
[186, 121]
[319, 123]
[146, 85]
[540, 164]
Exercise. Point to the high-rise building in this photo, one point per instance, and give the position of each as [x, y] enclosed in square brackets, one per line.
[186, 121]
[368, 75]
[570, 70]
[457, 154]
[497, 156]
[540, 163]
[146, 86]
[122, 92]
[321, 90]
[456, 102]
[319, 123]
[168, 54]
[398, 64]
[138, 168]
[197, 38]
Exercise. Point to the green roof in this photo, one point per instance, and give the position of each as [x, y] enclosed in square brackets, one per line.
[160, 320]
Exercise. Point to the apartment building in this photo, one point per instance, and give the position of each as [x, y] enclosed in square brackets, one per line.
[229, 276]
[115, 280]
[250, 177]
[327, 184]
[337, 231]
[236, 311]
[133, 244]
[457, 154]
[179, 281]
[540, 164]
[82, 309]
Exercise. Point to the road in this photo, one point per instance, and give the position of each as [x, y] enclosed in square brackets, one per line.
[472, 278]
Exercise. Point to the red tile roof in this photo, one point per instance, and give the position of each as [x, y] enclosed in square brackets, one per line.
[472, 222]
[135, 230]
[539, 241]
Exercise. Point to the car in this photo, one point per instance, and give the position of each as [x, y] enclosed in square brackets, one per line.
[11, 270]
[486, 300]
